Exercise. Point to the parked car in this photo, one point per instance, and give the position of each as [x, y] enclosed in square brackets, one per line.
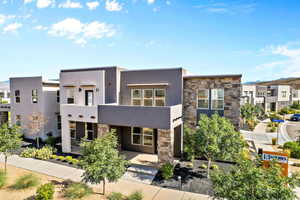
[295, 117]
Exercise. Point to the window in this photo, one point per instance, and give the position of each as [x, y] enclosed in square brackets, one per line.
[89, 97]
[148, 97]
[203, 99]
[18, 120]
[1, 95]
[283, 93]
[57, 96]
[160, 97]
[34, 96]
[72, 127]
[90, 133]
[246, 93]
[148, 136]
[17, 96]
[136, 97]
[136, 134]
[70, 96]
[8, 95]
[217, 99]
[58, 122]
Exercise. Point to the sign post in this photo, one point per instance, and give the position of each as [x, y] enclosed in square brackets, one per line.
[278, 121]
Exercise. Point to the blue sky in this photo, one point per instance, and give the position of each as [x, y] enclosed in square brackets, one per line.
[260, 39]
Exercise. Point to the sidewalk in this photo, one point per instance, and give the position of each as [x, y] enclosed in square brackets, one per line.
[124, 186]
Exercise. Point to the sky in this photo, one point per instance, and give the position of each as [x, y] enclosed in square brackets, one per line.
[258, 39]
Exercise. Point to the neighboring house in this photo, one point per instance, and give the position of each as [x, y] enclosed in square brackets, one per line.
[34, 101]
[4, 102]
[295, 95]
[146, 108]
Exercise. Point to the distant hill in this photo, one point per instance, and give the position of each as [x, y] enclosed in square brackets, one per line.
[295, 82]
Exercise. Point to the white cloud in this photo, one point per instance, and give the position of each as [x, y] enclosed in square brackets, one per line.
[40, 28]
[287, 61]
[92, 5]
[4, 18]
[79, 32]
[28, 1]
[168, 3]
[151, 1]
[113, 5]
[44, 3]
[227, 8]
[70, 4]
[12, 27]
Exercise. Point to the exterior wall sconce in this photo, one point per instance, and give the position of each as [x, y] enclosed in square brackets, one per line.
[79, 89]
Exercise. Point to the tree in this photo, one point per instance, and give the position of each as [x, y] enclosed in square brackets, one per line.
[249, 181]
[101, 160]
[10, 140]
[249, 111]
[36, 123]
[215, 138]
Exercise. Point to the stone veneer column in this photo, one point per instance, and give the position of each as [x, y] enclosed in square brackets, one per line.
[165, 148]
[102, 129]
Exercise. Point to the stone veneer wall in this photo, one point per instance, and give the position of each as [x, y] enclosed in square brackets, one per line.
[165, 145]
[102, 129]
[232, 94]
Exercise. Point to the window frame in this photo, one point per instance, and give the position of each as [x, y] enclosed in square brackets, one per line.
[58, 118]
[148, 135]
[34, 97]
[68, 92]
[284, 94]
[208, 102]
[58, 96]
[139, 134]
[17, 96]
[147, 98]
[159, 98]
[218, 99]
[87, 131]
[72, 138]
[135, 98]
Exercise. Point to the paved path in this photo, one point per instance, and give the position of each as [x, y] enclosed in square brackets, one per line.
[124, 185]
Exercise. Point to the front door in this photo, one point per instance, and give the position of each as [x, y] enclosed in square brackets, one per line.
[89, 97]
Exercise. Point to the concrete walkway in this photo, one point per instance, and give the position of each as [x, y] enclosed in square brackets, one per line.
[123, 185]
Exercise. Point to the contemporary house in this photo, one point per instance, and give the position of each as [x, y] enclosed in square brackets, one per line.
[4, 102]
[35, 106]
[147, 109]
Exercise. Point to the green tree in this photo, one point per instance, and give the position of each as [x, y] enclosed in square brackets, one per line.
[249, 181]
[249, 111]
[10, 140]
[101, 160]
[214, 138]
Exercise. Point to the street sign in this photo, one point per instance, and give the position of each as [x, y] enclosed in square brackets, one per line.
[279, 157]
[278, 120]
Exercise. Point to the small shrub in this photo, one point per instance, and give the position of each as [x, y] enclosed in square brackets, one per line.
[69, 159]
[115, 196]
[3, 178]
[290, 145]
[167, 171]
[296, 164]
[275, 116]
[274, 141]
[44, 153]
[203, 166]
[26, 181]
[75, 161]
[51, 140]
[62, 158]
[28, 153]
[45, 192]
[135, 196]
[54, 157]
[190, 165]
[214, 167]
[77, 191]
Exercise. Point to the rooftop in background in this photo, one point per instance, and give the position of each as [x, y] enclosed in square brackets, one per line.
[4, 85]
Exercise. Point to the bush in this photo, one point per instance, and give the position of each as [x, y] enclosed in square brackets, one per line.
[77, 191]
[135, 196]
[115, 196]
[274, 141]
[69, 159]
[44, 153]
[296, 106]
[61, 158]
[203, 166]
[75, 161]
[275, 116]
[45, 192]
[294, 148]
[28, 153]
[251, 124]
[26, 181]
[214, 167]
[296, 164]
[3, 178]
[167, 171]
[54, 157]
[51, 141]
[273, 129]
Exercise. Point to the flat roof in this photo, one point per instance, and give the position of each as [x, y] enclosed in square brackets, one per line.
[91, 69]
[213, 76]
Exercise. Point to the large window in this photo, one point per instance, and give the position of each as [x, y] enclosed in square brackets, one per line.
[148, 97]
[283, 94]
[57, 96]
[142, 136]
[90, 133]
[136, 97]
[34, 96]
[18, 120]
[17, 96]
[70, 96]
[58, 122]
[203, 99]
[136, 135]
[72, 127]
[217, 99]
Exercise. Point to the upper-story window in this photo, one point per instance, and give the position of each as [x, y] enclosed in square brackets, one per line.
[58, 122]
[34, 96]
[283, 94]
[70, 96]
[148, 97]
[57, 96]
[217, 99]
[203, 98]
[17, 96]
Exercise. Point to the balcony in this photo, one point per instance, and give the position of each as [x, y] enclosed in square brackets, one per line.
[79, 113]
[141, 116]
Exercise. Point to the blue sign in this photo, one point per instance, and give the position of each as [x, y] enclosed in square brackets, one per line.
[278, 120]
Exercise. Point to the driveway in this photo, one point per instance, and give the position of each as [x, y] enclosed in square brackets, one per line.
[293, 129]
